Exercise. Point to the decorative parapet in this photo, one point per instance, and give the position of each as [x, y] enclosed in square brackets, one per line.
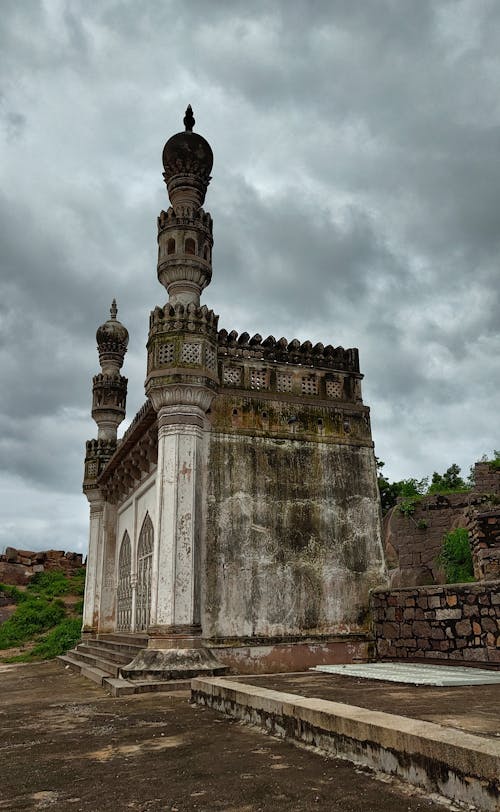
[294, 352]
[289, 368]
[185, 216]
[109, 392]
[180, 318]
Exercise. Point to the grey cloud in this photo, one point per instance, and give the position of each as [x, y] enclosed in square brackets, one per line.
[355, 201]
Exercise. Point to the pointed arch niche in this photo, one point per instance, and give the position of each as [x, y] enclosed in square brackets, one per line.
[144, 563]
[124, 587]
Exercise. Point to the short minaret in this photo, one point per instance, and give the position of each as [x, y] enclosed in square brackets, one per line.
[110, 388]
[181, 383]
[109, 394]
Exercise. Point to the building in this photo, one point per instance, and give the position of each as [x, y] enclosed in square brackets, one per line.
[239, 514]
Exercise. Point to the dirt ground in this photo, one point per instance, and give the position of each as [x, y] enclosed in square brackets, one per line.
[474, 708]
[66, 745]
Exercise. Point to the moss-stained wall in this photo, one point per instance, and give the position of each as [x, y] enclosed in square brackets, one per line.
[293, 534]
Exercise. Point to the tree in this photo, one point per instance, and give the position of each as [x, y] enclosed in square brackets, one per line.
[449, 481]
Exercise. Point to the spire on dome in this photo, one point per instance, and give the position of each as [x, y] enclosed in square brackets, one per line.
[189, 119]
[113, 310]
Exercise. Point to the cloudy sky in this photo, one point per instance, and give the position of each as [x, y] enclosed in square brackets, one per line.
[355, 197]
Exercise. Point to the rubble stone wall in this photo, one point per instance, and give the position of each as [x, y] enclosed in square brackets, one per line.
[457, 622]
[413, 542]
[18, 566]
[484, 535]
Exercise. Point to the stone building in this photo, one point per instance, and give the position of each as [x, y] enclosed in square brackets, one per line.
[239, 513]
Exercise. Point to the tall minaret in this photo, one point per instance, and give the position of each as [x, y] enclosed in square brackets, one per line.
[109, 394]
[181, 382]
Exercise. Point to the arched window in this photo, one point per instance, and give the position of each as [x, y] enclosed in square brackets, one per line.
[124, 588]
[171, 246]
[205, 252]
[190, 246]
[144, 565]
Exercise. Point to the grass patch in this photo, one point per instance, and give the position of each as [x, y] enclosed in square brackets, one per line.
[41, 616]
[31, 617]
[61, 638]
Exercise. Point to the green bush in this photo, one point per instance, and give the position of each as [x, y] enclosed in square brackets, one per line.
[59, 640]
[456, 557]
[50, 584]
[32, 616]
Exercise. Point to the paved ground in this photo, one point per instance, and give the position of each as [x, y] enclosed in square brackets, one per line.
[66, 745]
[474, 708]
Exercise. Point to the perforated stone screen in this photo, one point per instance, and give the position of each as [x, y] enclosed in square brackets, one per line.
[165, 353]
[258, 379]
[284, 383]
[334, 389]
[231, 375]
[191, 353]
[309, 386]
[210, 358]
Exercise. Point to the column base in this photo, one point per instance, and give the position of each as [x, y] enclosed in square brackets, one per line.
[172, 663]
[167, 637]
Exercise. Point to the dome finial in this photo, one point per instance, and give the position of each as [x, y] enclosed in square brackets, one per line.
[113, 310]
[189, 119]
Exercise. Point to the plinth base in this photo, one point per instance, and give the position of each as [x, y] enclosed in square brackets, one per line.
[173, 663]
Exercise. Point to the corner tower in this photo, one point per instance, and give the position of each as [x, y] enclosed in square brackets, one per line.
[109, 396]
[181, 383]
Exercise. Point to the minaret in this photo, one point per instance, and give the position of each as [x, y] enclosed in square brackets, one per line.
[109, 394]
[181, 382]
[110, 388]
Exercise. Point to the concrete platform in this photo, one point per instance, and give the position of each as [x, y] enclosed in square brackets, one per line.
[65, 745]
[440, 758]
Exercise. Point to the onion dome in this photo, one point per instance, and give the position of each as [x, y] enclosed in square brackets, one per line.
[112, 341]
[187, 161]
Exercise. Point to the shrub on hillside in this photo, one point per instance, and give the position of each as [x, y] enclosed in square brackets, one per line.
[33, 616]
[456, 557]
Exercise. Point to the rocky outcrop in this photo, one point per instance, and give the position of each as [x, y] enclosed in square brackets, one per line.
[17, 567]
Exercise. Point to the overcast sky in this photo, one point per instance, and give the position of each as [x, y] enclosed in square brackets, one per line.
[355, 197]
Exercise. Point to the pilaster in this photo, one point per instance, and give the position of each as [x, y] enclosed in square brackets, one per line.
[93, 571]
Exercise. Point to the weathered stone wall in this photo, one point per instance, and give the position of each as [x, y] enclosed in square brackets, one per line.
[18, 566]
[413, 542]
[484, 535]
[457, 622]
[293, 542]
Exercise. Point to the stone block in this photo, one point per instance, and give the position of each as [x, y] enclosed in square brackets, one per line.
[434, 602]
[463, 628]
[475, 654]
[448, 614]
[490, 625]
[390, 631]
[421, 628]
[451, 600]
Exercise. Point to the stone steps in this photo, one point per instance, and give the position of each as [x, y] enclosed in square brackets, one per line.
[116, 685]
[123, 664]
[102, 658]
[101, 652]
